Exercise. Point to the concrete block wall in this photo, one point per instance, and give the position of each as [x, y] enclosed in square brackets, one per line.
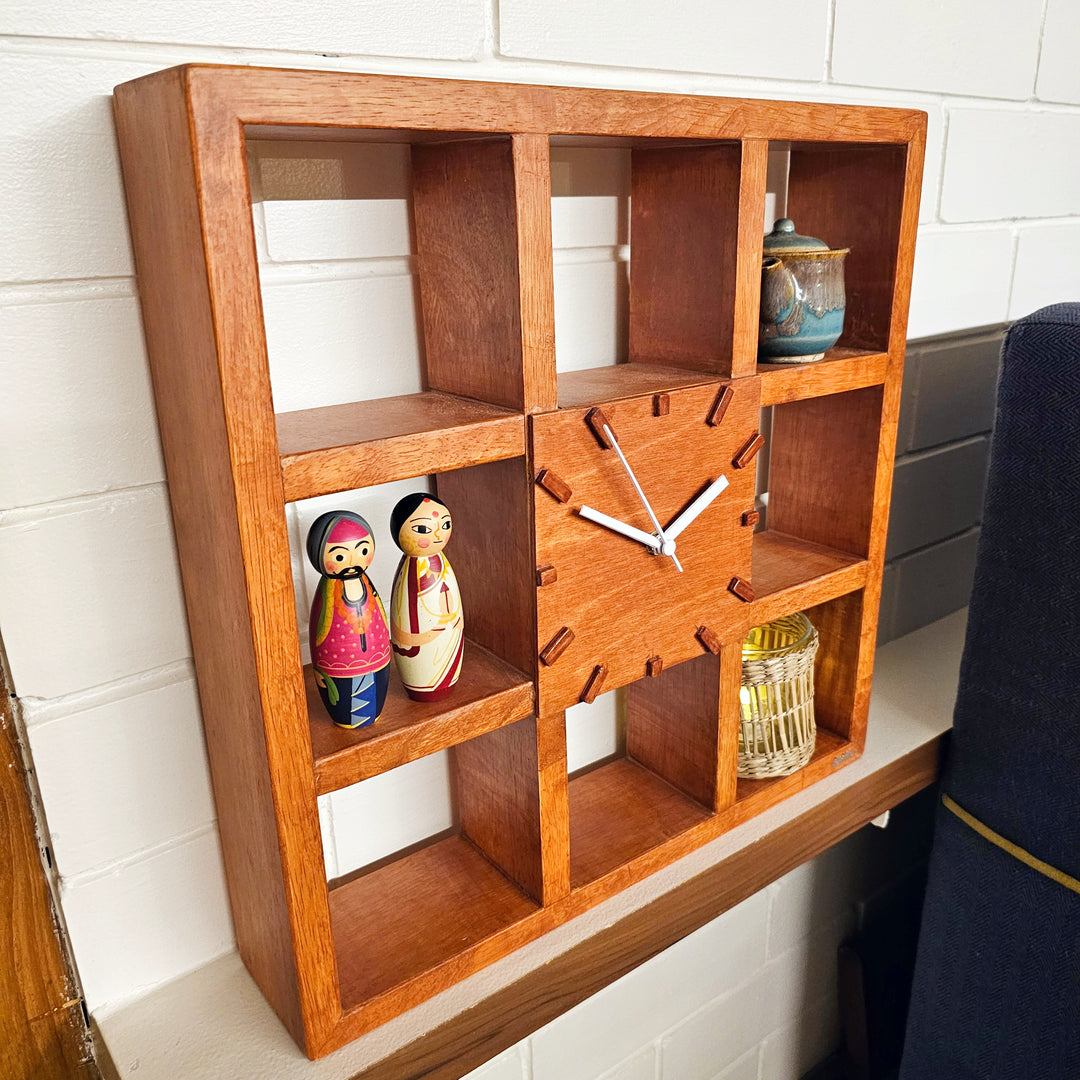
[91, 610]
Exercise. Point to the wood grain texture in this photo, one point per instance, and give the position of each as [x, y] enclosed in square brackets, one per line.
[853, 197]
[497, 794]
[465, 210]
[594, 386]
[497, 1022]
[418, 917]
[188, 202]
[546, 575]
[684, 223]
[594, 685]
[536, 275]
[42, 1032]
[790, 573]
[842, 639]
[341, 447]
[753, 166]
[554, 807]
[269, 96]
[842, 369]
[672, 726]
[719, 408]
[559, 643]
[620, 811]
[555, 485]
[623, 603]
[493, 556]
[748, 451]
[823, 462]
[488, 695]
[741, 588]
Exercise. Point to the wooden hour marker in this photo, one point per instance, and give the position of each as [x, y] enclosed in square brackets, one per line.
[749, 450]
[545, 575]
[709, 639]
[653, 666]
[597, 422]
[593, 686]
[751, 517]
[742, 589]
[554, 484]
[661, 404]
[720, 406]
[556, 646]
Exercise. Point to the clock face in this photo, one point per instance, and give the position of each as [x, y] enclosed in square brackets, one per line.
[611, 608]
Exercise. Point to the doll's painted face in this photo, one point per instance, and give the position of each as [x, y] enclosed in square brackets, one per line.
[348, 551]
[426, 530]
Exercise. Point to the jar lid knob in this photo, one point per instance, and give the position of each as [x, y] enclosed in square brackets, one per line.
[784, 225]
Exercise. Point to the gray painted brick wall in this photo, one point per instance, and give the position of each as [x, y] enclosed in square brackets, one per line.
[942, 450]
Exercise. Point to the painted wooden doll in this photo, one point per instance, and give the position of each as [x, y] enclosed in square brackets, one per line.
[426, 624]
[350, 638]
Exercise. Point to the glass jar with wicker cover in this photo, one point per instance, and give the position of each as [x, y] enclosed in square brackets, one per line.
[776, 702]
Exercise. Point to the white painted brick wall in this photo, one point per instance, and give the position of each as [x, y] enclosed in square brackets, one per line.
[985, 48]
[90, 605]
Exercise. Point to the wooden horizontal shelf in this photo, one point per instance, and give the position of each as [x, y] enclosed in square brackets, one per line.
[790, 574]
[416, 914]
[489, 694]
[593, 386]
[842, 369]
[620, 811]
[340, 447]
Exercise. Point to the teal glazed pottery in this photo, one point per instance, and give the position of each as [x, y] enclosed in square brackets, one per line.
[802, 296]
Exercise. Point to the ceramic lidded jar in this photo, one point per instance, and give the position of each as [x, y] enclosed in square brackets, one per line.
[802, 296]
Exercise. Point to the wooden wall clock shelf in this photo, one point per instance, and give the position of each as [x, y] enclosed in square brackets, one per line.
[533, 847]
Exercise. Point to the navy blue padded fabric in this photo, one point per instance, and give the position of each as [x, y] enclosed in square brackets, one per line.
[997, 983]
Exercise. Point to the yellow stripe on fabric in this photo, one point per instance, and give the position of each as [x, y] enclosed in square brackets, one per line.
[1013, 849]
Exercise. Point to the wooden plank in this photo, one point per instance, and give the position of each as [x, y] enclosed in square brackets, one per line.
[465, 210]
[842, 369]
[753, 166]
[199, 291]
[618, 812]
[554, 806]
[684, 214]
[536, 275]
[514, 1012]
[783, 563]
[488, 695]
[340, 447]
[42, 1031]
[331, 99]
[672, 726]
[497, 795]
[493, 556]
[593, 386]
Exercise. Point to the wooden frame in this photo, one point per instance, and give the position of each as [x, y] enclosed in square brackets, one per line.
[481, 192]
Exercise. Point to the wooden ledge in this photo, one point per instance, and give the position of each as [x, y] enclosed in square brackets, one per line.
[910, 710]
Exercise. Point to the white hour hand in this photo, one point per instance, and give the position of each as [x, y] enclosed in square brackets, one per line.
[615, 525]
[695, 508]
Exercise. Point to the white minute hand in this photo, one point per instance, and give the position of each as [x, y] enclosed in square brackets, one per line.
[695, 508]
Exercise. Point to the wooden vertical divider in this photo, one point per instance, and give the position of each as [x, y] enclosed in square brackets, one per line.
[671, 726]
[752, 172]
[838, 685]
[493, 558]
[684, 228]
[186, 180]
[482, 210]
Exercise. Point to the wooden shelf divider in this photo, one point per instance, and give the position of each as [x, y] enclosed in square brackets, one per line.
[489, 694]
[842, 369]
[339, 447]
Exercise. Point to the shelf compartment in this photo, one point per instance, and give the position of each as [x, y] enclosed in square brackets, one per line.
[619, 812]
[421, 915]
[594, 386]
[339, 447]
[842, 369]
[752, 797]
[489, 694]
[790, 574]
